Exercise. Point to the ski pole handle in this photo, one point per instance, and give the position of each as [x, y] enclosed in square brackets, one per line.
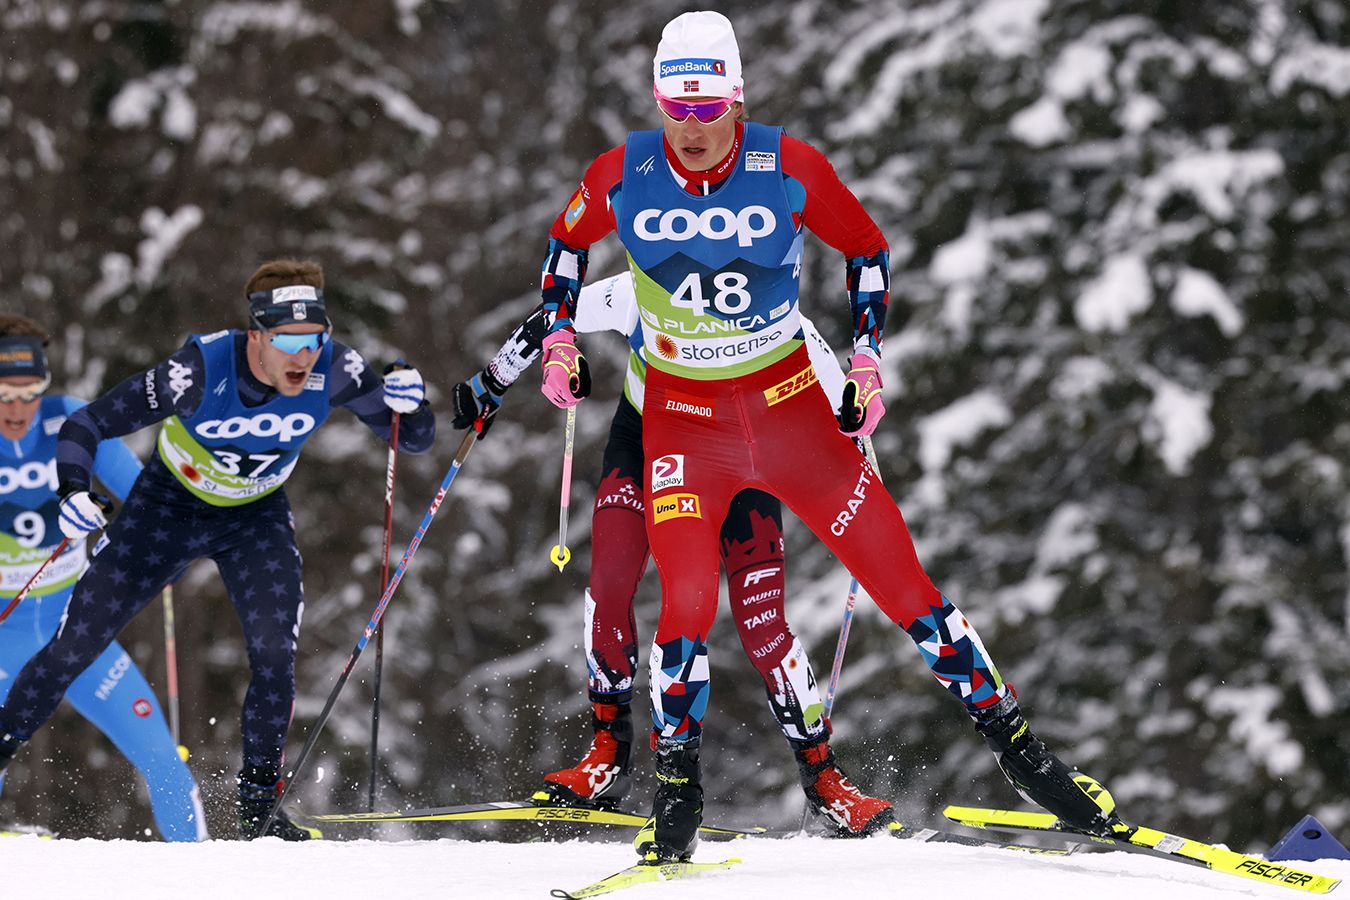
[37, 576]
[561, 555]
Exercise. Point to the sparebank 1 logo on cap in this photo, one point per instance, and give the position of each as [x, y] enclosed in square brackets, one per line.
[693, 66]
[667, 472]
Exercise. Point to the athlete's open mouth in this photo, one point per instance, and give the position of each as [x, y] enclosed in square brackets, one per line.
[14, 424]
[296, 377]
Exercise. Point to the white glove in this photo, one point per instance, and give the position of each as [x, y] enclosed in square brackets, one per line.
[403, 390]
[81, 513]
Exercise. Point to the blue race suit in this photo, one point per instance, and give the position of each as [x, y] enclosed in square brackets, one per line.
[231, 441]
[111, 692]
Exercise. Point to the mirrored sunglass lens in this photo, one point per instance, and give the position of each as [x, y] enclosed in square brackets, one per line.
[21, 394]
[707, 113]
[294, 343]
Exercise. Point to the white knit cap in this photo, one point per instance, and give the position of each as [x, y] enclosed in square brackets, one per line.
[697, 57]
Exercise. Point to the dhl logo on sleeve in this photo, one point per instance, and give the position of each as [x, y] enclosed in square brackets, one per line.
[794, 385]
[676, 506]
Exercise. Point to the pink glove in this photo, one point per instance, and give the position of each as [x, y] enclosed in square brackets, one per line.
[567, 378]
[862, 408]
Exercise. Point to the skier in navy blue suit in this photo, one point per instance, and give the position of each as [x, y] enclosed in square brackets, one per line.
[237, 406]
[111, 692]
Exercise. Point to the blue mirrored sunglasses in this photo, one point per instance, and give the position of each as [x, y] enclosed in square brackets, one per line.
[294, 343]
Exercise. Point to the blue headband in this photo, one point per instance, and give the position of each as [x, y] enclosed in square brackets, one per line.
[22, 355]
[288, 305]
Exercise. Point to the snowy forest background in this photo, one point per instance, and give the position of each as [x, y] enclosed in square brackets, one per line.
[1118, 358]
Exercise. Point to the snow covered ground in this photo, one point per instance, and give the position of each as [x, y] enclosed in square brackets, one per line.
[806, 868]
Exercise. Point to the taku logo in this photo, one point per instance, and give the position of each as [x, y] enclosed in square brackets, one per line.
[667, 472]
[769, 615]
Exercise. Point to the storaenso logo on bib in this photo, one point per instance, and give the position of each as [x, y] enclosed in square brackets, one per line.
[284, 428]
[717, 224]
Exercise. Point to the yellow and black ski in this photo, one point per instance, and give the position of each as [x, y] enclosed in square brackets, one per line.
[526, 811]
[643, 874]
[1149, 841]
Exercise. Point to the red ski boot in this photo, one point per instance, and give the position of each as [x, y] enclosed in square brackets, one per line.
[602, 777]
[850, 812]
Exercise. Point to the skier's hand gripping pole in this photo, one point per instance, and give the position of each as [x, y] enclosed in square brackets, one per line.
[465, 446]
[561, 555]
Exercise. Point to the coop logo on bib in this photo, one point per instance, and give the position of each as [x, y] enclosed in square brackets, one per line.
[668, 472]
[30, 476]
[717, 224]
[284, 428]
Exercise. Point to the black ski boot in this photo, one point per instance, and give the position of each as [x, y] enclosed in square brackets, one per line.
[602, 777]
[258, 790]
[1041, 778]
[671, 833]
[9, 746]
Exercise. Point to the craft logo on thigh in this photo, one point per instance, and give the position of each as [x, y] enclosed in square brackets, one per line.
[797, 383]
[855, 500]
[676, 506]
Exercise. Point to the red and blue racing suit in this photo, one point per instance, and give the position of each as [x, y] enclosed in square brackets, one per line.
[730, 391]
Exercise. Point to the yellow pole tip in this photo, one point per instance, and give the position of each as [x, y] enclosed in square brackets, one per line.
[183, 753]
[560, 556]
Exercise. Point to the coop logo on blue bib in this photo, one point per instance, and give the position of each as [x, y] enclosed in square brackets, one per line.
[693, 67]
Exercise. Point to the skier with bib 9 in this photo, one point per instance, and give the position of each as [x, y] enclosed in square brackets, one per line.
[751, 548]
[716, 271]
[236, 408]
[111, 692]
